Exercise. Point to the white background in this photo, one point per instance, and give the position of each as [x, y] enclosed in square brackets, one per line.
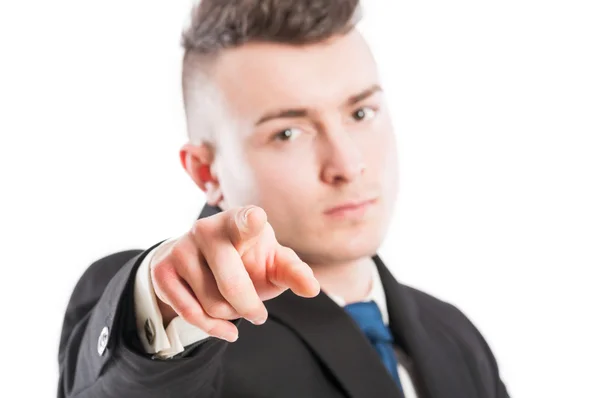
[497, 109]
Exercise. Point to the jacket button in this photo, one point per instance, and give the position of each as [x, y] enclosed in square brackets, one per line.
[103, 341]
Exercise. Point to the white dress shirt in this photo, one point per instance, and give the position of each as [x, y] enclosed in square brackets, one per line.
[166, 343]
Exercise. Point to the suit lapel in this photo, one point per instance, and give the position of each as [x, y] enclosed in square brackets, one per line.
[440, 367]
[337, 341]
[208, 211]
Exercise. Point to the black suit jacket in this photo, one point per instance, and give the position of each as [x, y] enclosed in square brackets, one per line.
[307, 348]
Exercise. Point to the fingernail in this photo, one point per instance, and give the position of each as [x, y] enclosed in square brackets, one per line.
[246, 214]
[230, 337]
[258, 321]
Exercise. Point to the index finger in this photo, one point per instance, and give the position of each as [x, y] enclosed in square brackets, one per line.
[291, 272]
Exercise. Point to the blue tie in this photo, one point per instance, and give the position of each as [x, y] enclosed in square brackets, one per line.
[368, 317]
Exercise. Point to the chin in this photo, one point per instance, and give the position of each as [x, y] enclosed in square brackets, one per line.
[348, 250]
[342, 244]
[357, 250]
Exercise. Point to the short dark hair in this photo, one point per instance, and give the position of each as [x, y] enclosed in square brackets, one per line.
[221, 24]
[217, 25]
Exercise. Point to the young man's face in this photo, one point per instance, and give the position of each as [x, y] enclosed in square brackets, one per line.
[315, 135]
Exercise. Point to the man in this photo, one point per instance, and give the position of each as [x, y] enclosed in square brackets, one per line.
[287, 123]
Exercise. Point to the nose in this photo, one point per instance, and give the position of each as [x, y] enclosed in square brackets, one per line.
[343, 161]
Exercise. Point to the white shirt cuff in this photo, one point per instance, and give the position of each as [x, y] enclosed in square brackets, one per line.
[164, 343]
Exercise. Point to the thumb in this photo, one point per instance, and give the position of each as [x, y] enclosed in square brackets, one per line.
[246, 224]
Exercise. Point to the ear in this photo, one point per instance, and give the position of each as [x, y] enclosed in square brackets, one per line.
[198, 162]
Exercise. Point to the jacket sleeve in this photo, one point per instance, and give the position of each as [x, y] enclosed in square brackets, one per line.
[100, 354]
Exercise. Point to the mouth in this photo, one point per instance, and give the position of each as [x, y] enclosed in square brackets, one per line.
[351, 208]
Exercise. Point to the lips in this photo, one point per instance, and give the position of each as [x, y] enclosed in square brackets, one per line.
[350, 206]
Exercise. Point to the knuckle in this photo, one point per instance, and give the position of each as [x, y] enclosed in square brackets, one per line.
[213, 329]
[163, 273]
[219, 309]
[202, 228]
[191, 315]
[254, 312]
[288, 256]
[233, 286]
[287, 251]
[180, 255]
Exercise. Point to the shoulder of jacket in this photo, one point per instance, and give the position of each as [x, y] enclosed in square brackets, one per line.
[100, 272]
[448, 319]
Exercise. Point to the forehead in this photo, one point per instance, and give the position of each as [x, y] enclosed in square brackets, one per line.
[264, 76]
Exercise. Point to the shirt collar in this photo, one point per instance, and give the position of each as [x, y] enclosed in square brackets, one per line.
[376, 294]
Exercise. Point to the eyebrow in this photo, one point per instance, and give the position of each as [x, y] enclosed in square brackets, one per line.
[303, 112]
[364, 94]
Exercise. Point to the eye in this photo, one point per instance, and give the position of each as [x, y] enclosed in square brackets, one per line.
[364, 113]
[287, 134]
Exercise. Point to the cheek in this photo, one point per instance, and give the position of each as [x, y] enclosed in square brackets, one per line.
[390, 168]
[382, 159]
[380, 148]
[237, 184]
[285, 177]
[236, 176]
[389, 161]
[391, 152]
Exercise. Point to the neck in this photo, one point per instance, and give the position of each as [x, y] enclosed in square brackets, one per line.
[350, 280]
